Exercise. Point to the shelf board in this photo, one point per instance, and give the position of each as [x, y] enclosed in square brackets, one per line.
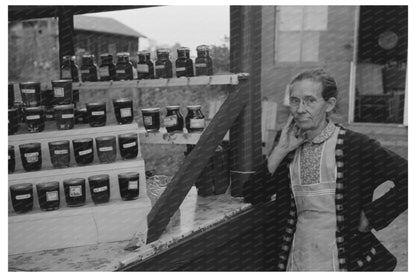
[163, 137]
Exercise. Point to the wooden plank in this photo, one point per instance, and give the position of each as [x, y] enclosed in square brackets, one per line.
[192, 166]
[163, 137]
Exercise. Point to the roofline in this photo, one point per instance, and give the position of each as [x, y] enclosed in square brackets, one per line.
[110, 33]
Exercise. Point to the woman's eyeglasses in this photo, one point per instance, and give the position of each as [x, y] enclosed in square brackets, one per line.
[307, 101]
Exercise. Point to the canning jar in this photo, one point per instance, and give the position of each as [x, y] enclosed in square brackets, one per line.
[174, 120]
[99, 188]
[195, 120]
[59, 152]
[12, 159]
[151, 119]
[74, 192]
[128, 145]
[123, 109]
[184, 64]
[69, 69]
[89, 70]
[62, 92]
[64, 116]
[203, 62]
[163, 64]
[31, 155]
[48, 195]
[22, 197]
[83, 150]
[11, 96]
[97, 114]
[81, 115]
[106, 149]
[34, 118]
[30, 92]
[107, 68]
[129, 184]
[13, 125]
[145, 67]
[124, 68]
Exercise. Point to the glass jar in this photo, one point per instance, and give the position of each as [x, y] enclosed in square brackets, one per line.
[124, 67]
[99, 188]
[83, 150]
[81, 116]
[89, 70]
[128, 145]
[74, 192]
[151, 119]
[184, 64]
[30, 92]
[59, 152]
[106, 149]
[12, 159]
[69, 69]
[48, 195]
[22, 197]
[163, 65]
[129, 184]
[145, 67]
[31, 155]
[123, 109]
[64, 116]
[35, 119]
[107, 68]
[195, 120]
[203, 62]
[11, 95]
[62, 92]
[13, 125]
[97, 114]
[174, 120]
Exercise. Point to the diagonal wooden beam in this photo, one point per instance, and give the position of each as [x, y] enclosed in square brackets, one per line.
[194, 163]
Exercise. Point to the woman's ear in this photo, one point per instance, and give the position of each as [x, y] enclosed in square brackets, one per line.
[331, 102]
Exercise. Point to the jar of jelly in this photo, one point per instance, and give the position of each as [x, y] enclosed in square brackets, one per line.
[64, 116]
[48, 195]
[35, 119]
[129, 184]
[11, 95]
[145, 67]
[151, 119]
[123, 109]
[30, 92]
[83, 150]
[89, 70]
[12, 160]
[106, 149]
[81, 116]
[174, 120]
[59, 152]
[203, 62]
[97, 114]
[163, 65]
[195, 120]
[31, 155]
[22, 197]
[184, 64]
[99, 188]
[124, 67]
[62, 92]
[107, 68]
[69, 69]
[74, 192]
[128, 145]
[13, 121]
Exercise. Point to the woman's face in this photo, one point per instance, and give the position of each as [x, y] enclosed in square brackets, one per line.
[308, 106]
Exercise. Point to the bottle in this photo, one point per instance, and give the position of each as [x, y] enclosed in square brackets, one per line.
[124, 68]
[195, 120]
[163, 64]
[184, 64]
[89, 70]
[174, 120]
[69, 69]
[145, 67]
[107, 68]
[203, 62]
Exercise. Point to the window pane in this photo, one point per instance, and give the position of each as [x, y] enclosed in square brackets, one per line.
[316, 18]
[310, 46]
[290, 18]
[288, 47]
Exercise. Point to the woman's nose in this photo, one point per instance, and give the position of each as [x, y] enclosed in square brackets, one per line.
[301, 108]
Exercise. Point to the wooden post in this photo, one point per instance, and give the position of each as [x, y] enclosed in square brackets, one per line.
[66, 33]
[245, 56]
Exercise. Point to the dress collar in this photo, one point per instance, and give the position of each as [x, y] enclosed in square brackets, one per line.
[324, 135]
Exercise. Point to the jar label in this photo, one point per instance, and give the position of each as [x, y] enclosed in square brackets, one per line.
[128, 145]
[85, 152]
[142, 68]
[51, 196]
[125, 112]
[104, 71]
[160, 66]
[105, 149]
[66, 74]
[147, 120]
[25, 90]
[61, 152]
[171, 120]
[33, 117]
[197, 123]
[180, 69]
[98, 113]
[75, 191]
[49, 116]
[120, 71]
[59, 92]
[23, 196]
[200, 65]
[100, 189]
[68, 115]
[85, 71]
[133, 185]
[32, 157]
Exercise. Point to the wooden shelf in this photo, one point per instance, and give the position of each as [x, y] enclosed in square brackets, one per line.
[162, 137]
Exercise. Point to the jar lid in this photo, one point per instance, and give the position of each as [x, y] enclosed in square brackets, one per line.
[74, 181]
[83, 109]
[29, 83]
[129, 175]
[60, 81]
[64, 107]
[88, 56]
[163, 51]
[34, 109]
[183, 49]
[151, 110]
[82, 140]
[122, 100]
[202, 47]
[13, 110]
[106, 55]
[143, 52]
[193, 107]
[128, 135]
[99, 177]
[52, 184]
[123, 54]
[22, 186]
[30, 145]
[174, 107]
[59, 142]
[105, 138]
[68, 57]
[93, 104]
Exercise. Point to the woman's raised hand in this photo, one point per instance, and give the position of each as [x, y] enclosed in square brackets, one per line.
[291, 137]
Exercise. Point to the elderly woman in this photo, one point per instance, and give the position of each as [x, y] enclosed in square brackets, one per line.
[324, 177]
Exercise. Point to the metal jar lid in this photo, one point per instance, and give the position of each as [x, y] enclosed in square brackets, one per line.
[64, 107]
[74, 181]
[173, 107]
[48, 185]
[105, 138]
[99, 177]
[23, 186]
[129, 175]
[30, 145]
[128, 135]
[82, 140]
[122, 100]
[34, 109]
[193, 107]
[95, 104]
[59, 143]
[151, 110]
